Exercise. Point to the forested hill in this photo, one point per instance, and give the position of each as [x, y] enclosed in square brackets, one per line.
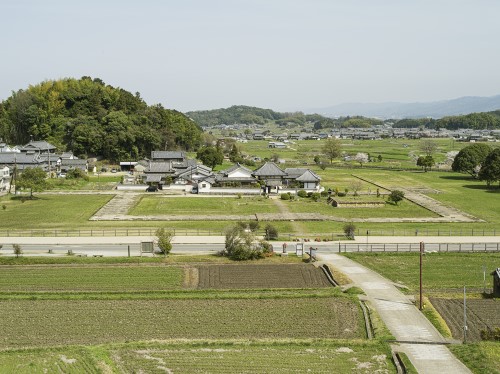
[240, 114]
[247, 115]
[478, 121]
[92, 118]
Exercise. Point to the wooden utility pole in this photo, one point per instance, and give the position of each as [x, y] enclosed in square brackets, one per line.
[421, 257]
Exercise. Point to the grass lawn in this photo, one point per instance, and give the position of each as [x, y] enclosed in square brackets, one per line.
[406, 209]
[151, 205]
[50, 211]
[481, 358]
[442, 272]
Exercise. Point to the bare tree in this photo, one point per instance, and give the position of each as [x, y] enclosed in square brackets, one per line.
[18, 251]
[356, 186]
[428, 146]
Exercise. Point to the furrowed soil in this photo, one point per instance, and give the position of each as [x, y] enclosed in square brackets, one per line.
[36, 323]
[261, 276]
[481, 315]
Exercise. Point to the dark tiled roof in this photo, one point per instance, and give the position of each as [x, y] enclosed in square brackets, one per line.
[308, 176]
[73, 162]
[153, 178]
[38, 145]
[295, 172]
[269, 169]
[167, 155]
[16, 157]
[159, 167]
[234, 168]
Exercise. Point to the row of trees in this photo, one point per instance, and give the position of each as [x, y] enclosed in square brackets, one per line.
[90, 118]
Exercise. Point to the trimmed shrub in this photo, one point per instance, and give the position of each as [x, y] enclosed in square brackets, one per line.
[324, 193]
[315, 196]
[302, 193]
[285, 196]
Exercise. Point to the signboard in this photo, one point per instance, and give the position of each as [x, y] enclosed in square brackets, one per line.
[147, 247]
[299, 249]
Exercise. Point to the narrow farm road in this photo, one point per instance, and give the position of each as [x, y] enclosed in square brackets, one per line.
[297, 227]
[417, 337]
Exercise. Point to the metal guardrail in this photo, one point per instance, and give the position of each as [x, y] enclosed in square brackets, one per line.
[415, 247]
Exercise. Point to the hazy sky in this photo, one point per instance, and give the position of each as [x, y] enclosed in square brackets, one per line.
[279, 54]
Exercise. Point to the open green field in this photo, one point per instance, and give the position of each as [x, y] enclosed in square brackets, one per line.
[456, 190]
[442, 272]
[231, 205]
[395, 152]
[50, 211]
[405, 209]
[316, 356]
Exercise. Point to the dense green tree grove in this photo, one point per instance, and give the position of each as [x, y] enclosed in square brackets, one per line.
[478, 121]
[470, 158]
[91, 118]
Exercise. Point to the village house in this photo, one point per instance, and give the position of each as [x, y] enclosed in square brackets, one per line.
[236, 175]
[270, 176]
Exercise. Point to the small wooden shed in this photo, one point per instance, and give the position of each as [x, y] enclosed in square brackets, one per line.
[496, 282]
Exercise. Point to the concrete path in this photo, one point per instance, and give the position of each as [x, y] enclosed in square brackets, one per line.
[417, 336]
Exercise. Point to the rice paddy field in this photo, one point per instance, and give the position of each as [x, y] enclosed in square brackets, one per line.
[125, 317]
[218, 356]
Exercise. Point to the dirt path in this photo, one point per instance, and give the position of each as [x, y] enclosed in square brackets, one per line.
[117, 207]
[296, 226]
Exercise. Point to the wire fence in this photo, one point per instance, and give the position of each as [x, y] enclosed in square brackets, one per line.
[151, 231]
[415, 247]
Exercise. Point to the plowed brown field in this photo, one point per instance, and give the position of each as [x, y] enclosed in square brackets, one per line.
[481, 315]
[261, 276]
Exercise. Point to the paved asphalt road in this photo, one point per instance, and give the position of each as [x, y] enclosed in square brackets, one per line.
[119, 246]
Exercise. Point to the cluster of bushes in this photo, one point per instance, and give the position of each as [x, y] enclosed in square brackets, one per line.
[491, 334]
[77, 174]
[312, 195]
[241, 244]
[287, 196]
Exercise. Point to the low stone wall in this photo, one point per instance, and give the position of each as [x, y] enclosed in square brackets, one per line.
[357, 204]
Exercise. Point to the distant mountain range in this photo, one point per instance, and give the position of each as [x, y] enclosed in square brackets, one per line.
[434, 109]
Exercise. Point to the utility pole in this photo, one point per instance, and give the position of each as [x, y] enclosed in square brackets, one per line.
[465, 318]
[484, 279]
[421, 257]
